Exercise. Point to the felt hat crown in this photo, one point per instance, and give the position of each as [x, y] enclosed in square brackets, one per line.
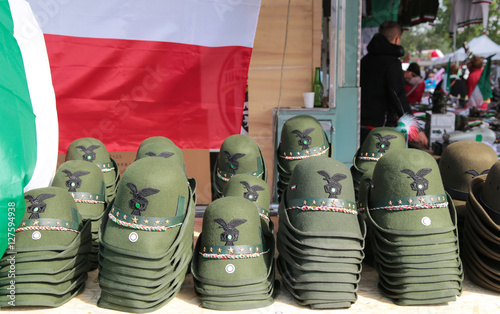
[149, 207]
[85, 182]
[51, 220]
[320, 188]
[156, 139]
[407, 183]
[462, 161]
[232, 248]
[93, 150]
[253, 189]
[302, 136]
[378, 142]
[240, 154]
[161, 148]
[490, 192]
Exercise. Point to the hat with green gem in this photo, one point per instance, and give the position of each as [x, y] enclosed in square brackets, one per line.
[93, 150]
[50, 251]
[239, 154]
[320, 234]
[302, 137]
[233, 261]
[413, 230]
[253, 189]
[378, 142]
[146, 237]
[481, 232]
[85, 182]
[460, 162]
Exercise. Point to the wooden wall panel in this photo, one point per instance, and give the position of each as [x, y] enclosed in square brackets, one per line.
[302, 55]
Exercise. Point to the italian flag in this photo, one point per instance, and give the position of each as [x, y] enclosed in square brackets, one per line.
[125, 70]
[28, 128]
[481, 94]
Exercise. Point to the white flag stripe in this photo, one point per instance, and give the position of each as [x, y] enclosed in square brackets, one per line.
[476, 98]
[147, 20]
[36, 63]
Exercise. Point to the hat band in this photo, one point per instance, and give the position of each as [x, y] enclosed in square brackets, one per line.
[371, 156]
[147, 223]
[264, 213]
[233, 252]
[89, 198]
[494, 215]
[51, 224]
[456, 194]
[323, 204]
[225, 175]
[410, 203]
[105, 166]
[305, 153]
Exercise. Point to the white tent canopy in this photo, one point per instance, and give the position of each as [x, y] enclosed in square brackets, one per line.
[481, 46]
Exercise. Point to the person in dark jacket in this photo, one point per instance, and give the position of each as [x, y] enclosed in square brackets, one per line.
[383, 93]
[457, 84]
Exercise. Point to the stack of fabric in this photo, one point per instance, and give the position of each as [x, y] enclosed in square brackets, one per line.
[378, 142]
[233, 263]
[461, 162]
[47, 263]
[85, 182]
[302, 136]
[93, 150]
[320, 235]
[159, 146]
[414, 230]
[481, 233]
[239, 154]
[146, 237]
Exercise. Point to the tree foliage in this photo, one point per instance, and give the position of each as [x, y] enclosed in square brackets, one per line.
[436, 36]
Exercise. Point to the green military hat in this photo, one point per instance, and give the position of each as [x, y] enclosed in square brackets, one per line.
[320, 235]
[235, 254]
[146, 237]
[52, 244]
[413, 229]
[378, 142]
[156, 139]
[302, 136]
[239, 154]
[93, 150]
[481, 232]
[253, 189]
[459, 163]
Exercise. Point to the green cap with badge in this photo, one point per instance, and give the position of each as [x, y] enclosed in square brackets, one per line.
[320, 235]
[84, 181]
[146, 237]
[239, 154]
[93, 150]
[233, 261]
[413, 228]
[50, 252]
[302, 137]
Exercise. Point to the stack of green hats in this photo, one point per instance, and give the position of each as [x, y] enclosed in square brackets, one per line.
[238, 154]
[302, 137]
[146, 237]
[413, 230]
[46, 264]
[93, 150]
[378, 142]
[233, 261]
[254, 190]
[85, 182]
[460, 162]
[159, 146]
[481, 232]
[320, 236]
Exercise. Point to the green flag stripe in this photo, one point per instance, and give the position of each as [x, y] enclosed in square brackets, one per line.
[484, 81]
[17, 129]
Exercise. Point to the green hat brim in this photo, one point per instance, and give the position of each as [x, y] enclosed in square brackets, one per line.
[423, 297]
[302, 276]
[260, 266]
[44, 267]
[41, 299]
[60, 288]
